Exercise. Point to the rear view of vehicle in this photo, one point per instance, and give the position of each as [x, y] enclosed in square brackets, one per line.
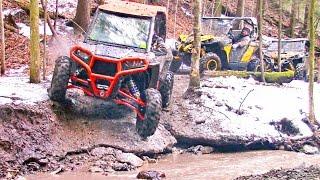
[120, 61]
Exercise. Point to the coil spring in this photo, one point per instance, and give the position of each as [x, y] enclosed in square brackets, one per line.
[133, 88]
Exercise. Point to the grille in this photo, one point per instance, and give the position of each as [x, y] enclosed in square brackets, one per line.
[103, 68]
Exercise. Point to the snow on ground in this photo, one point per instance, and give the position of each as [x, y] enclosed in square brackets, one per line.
[17, 90]
[263, 105]
[25, 30]
[65, 7]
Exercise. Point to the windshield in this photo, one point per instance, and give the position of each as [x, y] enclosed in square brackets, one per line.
[288, 46]
[121, 30]
[216, 27]
[220, 27]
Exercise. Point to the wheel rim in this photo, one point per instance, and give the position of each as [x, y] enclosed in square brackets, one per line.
[211, 65]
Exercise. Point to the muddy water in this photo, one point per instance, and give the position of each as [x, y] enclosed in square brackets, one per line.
[211, 166]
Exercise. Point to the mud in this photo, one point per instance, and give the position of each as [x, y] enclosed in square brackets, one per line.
[312, 172]
[208, 166]
[46, 137]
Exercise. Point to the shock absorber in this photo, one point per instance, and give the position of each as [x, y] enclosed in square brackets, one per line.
[133, 88]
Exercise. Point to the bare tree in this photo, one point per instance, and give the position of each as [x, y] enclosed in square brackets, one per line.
[44, 61]
[260, 39]
[312, 33]
[306, 14]
[82, 18]
[3, 46]
[194, 74]
[240, 8]
[217, 7]
[34, 43]
[279, 35]
[294, 10]
[56, 15]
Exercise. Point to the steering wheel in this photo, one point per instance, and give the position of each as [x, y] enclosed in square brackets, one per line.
[230, 35]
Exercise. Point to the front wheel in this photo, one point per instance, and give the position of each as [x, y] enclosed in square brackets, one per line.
[60, 78]
[165, 88]
[147, 126]
[210, 62]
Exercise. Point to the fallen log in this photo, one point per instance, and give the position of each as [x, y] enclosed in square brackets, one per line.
[271, 77]
[24, 4]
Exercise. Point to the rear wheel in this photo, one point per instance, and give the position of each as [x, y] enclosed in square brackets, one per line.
[165, 88]
[147, 126]
[287, 67]
[210, 62]
[255, 66]
[60, 78]
[175, 65]
[300, 72]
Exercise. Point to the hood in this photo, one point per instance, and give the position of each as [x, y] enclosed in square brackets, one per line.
[287, 55]
[117, 52]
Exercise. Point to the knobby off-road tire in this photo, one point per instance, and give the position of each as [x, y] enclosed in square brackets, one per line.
[147, 126]
[210, 62]
[300, 73]
[60, 78]
[175, 65]
[254, 66]
[165, 88]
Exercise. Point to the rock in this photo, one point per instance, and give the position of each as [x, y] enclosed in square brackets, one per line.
[200, 121]
[129, 158]
[33, 166]
[101, 151]
[60, 169]
[206, 149]
[219, 104]
[200, 149]
[95, 169]
[310, 149]
[43, 161]
[100, 163]
[151, 175]
[121, 167]
[149, 160]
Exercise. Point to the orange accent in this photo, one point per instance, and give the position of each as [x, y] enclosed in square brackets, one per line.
[93, 77]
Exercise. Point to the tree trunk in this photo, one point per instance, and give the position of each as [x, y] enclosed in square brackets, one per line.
[260, 39]
[240, 8]
[217, 8]
[306, 13]
[44, 60]
[279, 35]
[194, 74]
[3, 47]
[82, 18]
[294, 9]
[34, 42]
[311, 61]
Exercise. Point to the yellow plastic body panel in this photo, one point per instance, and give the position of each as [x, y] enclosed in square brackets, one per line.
[248, 54]
[227, 49]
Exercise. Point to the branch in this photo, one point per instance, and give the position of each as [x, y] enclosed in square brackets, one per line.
[244, 100]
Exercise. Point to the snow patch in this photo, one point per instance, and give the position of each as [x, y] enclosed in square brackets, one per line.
[25, 30]
[264, 104]
[18, 90]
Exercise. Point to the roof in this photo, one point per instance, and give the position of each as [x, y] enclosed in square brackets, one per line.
[133, 8]
[253, 19]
